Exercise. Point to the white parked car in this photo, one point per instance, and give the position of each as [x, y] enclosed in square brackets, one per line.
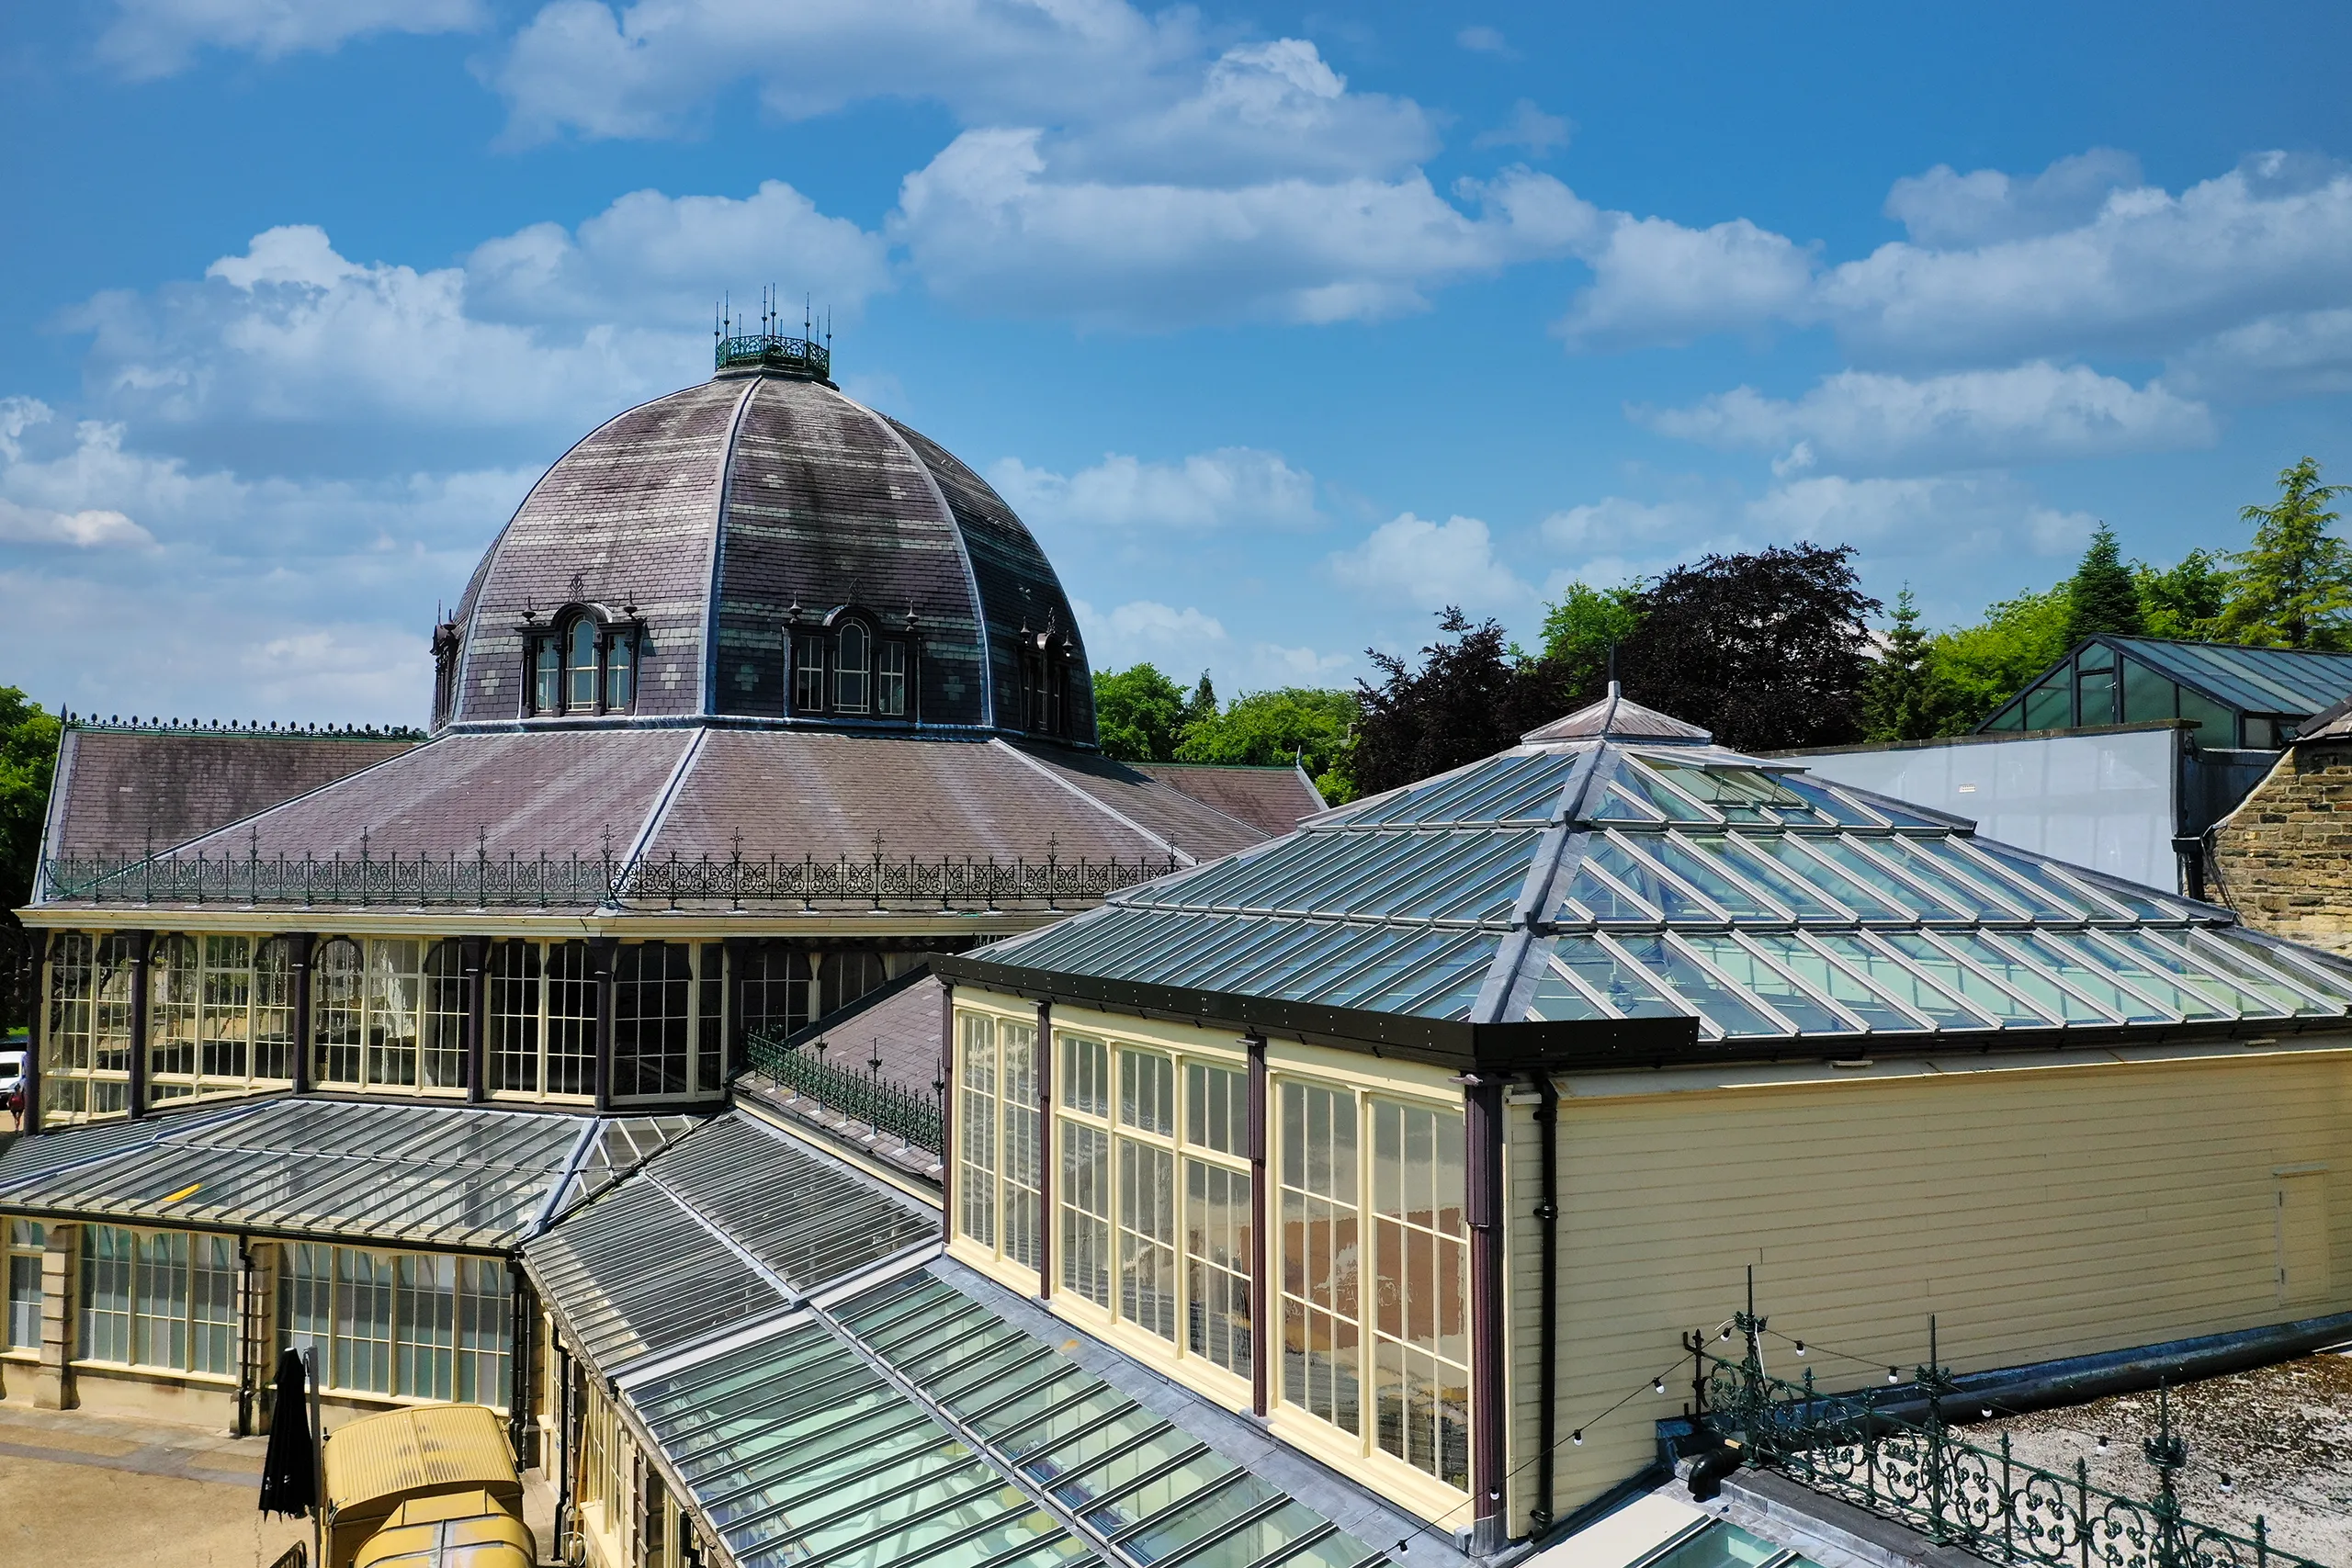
[12, 1070]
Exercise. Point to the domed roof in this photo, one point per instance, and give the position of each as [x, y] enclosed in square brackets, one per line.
[717, 547]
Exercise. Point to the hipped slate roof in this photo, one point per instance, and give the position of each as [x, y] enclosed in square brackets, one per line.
[660, 798]
[1619, 867]
[719, 511]
[1273, 800]
[127, 792]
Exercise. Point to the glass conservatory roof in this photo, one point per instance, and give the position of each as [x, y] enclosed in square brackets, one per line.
[458, 1176]
[697, 1243]
[1622, 866]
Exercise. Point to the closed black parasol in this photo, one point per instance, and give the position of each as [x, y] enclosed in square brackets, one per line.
[289, 1468]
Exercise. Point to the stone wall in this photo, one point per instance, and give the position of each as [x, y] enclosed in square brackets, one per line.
[2283, 859]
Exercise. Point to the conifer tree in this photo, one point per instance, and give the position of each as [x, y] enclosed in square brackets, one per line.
[2101, 597]
[2293, 586]
[1902, 700]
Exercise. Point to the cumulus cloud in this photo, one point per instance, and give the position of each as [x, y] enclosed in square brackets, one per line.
[989, 225]
[1230, 487]
[2034, 412]
[654, 68]
[2077, 260]
[1616, 522]
[1655, 282]
[88, 529]
[1428, 565]
[1945, 210]
[544, 328]
[1275, 665]
[156, 37]
[2294, 353]
[1530, 127]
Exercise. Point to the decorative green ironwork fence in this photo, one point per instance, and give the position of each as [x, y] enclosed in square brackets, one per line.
[1919, 1474]
[909, 1115]
[482, 879]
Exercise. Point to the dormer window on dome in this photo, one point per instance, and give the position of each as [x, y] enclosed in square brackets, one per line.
[850, 664]
[1045, 681]
[581, 661]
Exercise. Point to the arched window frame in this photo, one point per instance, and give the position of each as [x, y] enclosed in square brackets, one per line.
[1045, 681]
[556, 684]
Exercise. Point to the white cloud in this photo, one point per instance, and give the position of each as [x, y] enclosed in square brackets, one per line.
[988, 227]
[2035, 412]
[1939, 517]
[156, 38]
[1230, 487]
[1616, 522]
[1428, 565]
[1483, 40]
[2075, 261]
[655, 67]
[1655, 281]
[1148, 621]
[540, 328]
[1275, 665]
[2295, 354]
[1944, 210]
[88, 529]
[1528, 127]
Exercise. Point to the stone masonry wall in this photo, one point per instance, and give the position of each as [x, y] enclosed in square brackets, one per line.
[2283, 859]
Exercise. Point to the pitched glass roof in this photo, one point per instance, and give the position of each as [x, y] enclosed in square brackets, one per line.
[797, 1450]
[1149, 1490]
[1623, 866]
[2256, 680]
[463, 1177]
[699, 1240]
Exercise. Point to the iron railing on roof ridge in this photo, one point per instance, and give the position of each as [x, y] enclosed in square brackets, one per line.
[909, 1116]
[482, 879]
[1922, 1475]
[117, 724]
[798, 355]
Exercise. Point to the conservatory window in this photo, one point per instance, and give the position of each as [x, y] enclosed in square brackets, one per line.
[159, 1299]
[219, 1014]
[539, 1018]
[851, 668]
[26, 1241]
[417, 1325]
[1404, 1332]
[388, 1014]
[653, 997]
[2094, 686]
[546, 681]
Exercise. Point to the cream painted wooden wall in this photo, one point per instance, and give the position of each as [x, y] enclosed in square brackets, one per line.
[2038, 1211]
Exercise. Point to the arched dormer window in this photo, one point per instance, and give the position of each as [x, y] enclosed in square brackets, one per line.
[584, 662]
[1045, 681]
[853, 665]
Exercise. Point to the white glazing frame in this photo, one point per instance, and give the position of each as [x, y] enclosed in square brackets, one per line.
[464, 1352]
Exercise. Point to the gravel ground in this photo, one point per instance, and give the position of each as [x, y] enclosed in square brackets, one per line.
[2282, 1435]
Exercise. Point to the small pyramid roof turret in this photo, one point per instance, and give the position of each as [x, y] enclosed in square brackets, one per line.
[1618, 717]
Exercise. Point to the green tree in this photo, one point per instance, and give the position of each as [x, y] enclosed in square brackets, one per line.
[2182, 600]
[1982, 666]
[1202, 705]
[27, 762]
[2102, 597]
[1138, 714]
[1315, 728]
[1582, 629]
[1902, 699]
[2293, 585]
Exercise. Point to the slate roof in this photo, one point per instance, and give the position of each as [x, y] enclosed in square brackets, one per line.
[720, 509]
[1593, 890]
[1273, 800]
[125, 792]
[707, 799]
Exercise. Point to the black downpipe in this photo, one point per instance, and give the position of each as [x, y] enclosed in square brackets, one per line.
[248, 1339]
[1548, 1334]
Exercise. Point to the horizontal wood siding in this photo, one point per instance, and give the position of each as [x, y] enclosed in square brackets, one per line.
[2038, 1214]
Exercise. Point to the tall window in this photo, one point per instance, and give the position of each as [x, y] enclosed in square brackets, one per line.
[1153, 1193]
[653, 999]
[999, 1133]
[1397, 1319]
[620, 673]
[891, 679]
[173, 980]
[547, 677]
[1044, 691]
[851, 668]
[388, 1014]
[415, 1324]
[976, 1099]
[159, 1299]
[443, 1026]
[65, 1033]
[808, 674]
[25, 1241]
[338, 1010]
[539, 1018]
[580, 666]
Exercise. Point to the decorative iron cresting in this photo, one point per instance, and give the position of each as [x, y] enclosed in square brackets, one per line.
[909, 1115]
[483, 878]
[799, 357]
[1919, 1474]
[134, 725]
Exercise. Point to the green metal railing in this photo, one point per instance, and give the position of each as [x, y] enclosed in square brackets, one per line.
[1916, 1471]
[913, 1117]
[794, 355]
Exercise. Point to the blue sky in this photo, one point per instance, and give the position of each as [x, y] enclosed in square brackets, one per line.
[1283, 327]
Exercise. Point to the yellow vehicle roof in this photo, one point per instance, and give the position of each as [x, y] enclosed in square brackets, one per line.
[455, 1529]
[379, 1462]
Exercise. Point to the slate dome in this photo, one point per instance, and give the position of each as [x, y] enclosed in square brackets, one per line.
[762, 550]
